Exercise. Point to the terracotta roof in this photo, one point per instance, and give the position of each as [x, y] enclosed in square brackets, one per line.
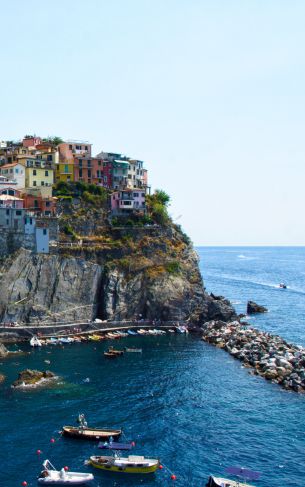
[9, 165]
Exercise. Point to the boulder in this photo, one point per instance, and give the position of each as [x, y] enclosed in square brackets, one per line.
[30, 377]
[253, 308]
[3, 351]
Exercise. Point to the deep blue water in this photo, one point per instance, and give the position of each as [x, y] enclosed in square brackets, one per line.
[182, 400]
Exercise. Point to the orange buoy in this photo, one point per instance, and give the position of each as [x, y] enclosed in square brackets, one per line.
[173, 477]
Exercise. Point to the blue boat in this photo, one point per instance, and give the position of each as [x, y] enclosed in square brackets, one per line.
[131, 332]
[113, 445]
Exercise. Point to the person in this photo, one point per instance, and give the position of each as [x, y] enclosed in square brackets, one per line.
[62, 473]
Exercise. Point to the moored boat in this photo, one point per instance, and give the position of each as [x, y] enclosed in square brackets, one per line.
[135, 350]
[132, 332]
[35, 342]
[132, 464]
[110, 355]
[85, 433]
[114, 351]
[51, 476]
[243, 473]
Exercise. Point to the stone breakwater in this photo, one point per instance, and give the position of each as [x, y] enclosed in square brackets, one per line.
[269, 355]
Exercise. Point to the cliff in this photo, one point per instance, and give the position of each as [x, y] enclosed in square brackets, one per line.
[102, 270]
[109, 283]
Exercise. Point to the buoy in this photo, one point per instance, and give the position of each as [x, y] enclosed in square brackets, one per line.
[52, 440]
[160, 467]
[24, 483]
[173, 477]
[66, 469]
[38, 452]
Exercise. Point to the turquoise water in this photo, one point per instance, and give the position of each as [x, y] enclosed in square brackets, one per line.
[182, 400]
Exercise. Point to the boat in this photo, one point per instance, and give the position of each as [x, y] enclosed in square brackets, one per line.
[35, 342]
[131, 464]
[142, 332]
[50, 476]
[116, 352]
[132, 332]
[240, 472]
[86, 433]
[171, 331]
[110, 355]
[181, 329]
[135, 350]
[114, 445]
[94, 338]
[65, 340]
[283, 285]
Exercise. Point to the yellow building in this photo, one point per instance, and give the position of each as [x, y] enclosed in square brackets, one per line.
[38, 173]
[65, 172]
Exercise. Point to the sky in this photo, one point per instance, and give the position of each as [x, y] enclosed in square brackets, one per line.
[209, 93]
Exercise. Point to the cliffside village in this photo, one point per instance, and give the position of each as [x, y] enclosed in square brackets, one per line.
[30, 168]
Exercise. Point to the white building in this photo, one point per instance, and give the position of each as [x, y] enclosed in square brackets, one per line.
[14, 172]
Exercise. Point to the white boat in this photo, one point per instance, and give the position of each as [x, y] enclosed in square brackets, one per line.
[51, 476]
[222, 482]
[243, 473]
[35, 342]
[181, 329]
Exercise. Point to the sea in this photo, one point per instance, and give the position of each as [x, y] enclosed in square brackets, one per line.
[184, 401]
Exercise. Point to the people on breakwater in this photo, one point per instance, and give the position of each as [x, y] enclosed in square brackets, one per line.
[270, 356]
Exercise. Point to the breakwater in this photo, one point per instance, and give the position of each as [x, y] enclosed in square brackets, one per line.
[269, 356]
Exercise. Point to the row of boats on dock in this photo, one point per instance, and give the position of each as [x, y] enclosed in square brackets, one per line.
[38, 341]
[109, 439]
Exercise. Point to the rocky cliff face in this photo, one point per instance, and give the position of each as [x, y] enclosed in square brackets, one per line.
[156, 277]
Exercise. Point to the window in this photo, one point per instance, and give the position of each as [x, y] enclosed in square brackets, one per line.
[143, 194]
[42, 183]
[47, 203]
[135, 195]
[89, 173]
[86, 147]
[44, 231]
[70, 147]
[80, 162]
[7, 222]
[34, 172]
[50, 158]
[17, 170]
[36, 203]
[105, 179]
[18, 212]
[66, 168]
[99, 163]
[89, 163]
[7, 212]
[80, 173]
[46, 173]
[34, 183]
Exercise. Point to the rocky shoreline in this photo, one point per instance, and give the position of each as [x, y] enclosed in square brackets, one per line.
[33, 378]
[269, 356]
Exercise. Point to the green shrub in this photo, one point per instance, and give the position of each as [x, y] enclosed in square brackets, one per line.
[173, 267]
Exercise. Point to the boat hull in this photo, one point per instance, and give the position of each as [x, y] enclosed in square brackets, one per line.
[221, 482]
[90, 433]
[134, 470]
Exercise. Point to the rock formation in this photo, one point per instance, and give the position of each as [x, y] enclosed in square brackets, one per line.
[30, 377]
[253, 308]
[155, 277]
[3, 351]
[269, 355]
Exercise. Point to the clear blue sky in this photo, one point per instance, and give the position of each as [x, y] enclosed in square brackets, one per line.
[209, 93]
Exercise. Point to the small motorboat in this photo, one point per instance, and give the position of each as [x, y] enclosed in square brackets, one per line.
[51, 476]
[116, 352]
[35, 342]
[142, 332]
[65, 340]
[133, 350]
[240, 472]
[114, 445]
[110, 355]
[283, 285]
[86, 433]
[132, 332]
[181, 329]
[131, 464]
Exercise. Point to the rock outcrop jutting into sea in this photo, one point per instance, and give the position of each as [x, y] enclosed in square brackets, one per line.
[270, 356]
